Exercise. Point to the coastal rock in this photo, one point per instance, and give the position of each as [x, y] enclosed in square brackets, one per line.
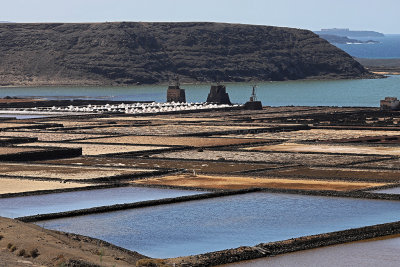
[218, 95]
[130, 53]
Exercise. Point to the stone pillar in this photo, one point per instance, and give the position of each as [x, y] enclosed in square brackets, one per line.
[176, 94]
[218, 95]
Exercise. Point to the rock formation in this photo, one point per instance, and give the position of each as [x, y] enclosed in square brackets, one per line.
[129, 53]
[218, 95]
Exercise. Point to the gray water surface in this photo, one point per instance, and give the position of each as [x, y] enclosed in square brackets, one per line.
[22, 116]
[221, 223]
[394, 190]
[67, 201]
[369, 253]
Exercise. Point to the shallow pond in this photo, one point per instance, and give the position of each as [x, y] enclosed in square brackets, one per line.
[22, 116]
[220, 223]
[371, 253]
[394, 190]
[59, 202]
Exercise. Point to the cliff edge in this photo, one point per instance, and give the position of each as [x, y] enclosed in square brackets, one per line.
[128, 53]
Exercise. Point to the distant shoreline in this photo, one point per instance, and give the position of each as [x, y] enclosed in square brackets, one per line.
[390, 66]
[66, 85]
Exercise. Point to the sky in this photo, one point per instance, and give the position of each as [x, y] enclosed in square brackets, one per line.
[378, 15]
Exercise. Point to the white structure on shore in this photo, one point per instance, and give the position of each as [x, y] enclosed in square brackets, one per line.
[134, 108]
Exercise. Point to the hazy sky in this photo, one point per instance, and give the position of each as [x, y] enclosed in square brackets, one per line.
[379, 15]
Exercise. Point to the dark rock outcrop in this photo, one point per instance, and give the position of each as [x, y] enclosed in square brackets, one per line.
[336, 39]
[218, 95]
[132, 53]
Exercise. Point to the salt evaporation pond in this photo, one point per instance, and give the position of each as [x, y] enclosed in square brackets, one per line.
[220, 223]
[394, 190]
[67, 201]
[370, 253]
[22, 116]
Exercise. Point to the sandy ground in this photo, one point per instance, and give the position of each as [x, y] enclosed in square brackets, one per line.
[13, 150]
[293, 147]
[8, 185]
[387, 72]
[50, 136]
[19, 100]
[256, 156]
[176, 141]
[166, 129]
[318, 134]
[366, 174]
[198, 166]
[54, 248]
[68, 123]
[390, 163]
[62, 172]
[225, 182]
[97, 149]
[6, 125]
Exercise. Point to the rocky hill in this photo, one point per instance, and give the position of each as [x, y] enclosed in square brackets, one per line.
[145, 53]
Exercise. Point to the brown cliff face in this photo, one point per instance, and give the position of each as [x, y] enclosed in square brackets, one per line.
[130, 53]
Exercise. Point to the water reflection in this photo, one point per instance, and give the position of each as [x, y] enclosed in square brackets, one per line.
[32, 205]
[214, 224]
[371, 253]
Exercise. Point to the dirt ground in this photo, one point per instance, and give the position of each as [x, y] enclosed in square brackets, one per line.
[376, 175]
[97, 149]
[175, 141]
[230, 182]
[366, 150]
[165, 129]
[284, 158]
[23, 244]
[18, 100]
[14, 185]
[62, 172]
[319, 134]
[13, 150]
[50, 136]
[198, 166]
[245, 159]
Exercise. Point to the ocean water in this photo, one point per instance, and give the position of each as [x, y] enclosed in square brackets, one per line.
[389, 47]
[214, 224]
[297, 93]
[59, 202]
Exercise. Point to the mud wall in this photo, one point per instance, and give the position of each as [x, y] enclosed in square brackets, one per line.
[291, 245]
[142, 204]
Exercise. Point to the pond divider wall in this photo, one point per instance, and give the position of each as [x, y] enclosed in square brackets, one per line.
[221, 193]
[328, 193]
[43, 154]
[115, 179]
[10, 140]
[141, 204]
[295, 244]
